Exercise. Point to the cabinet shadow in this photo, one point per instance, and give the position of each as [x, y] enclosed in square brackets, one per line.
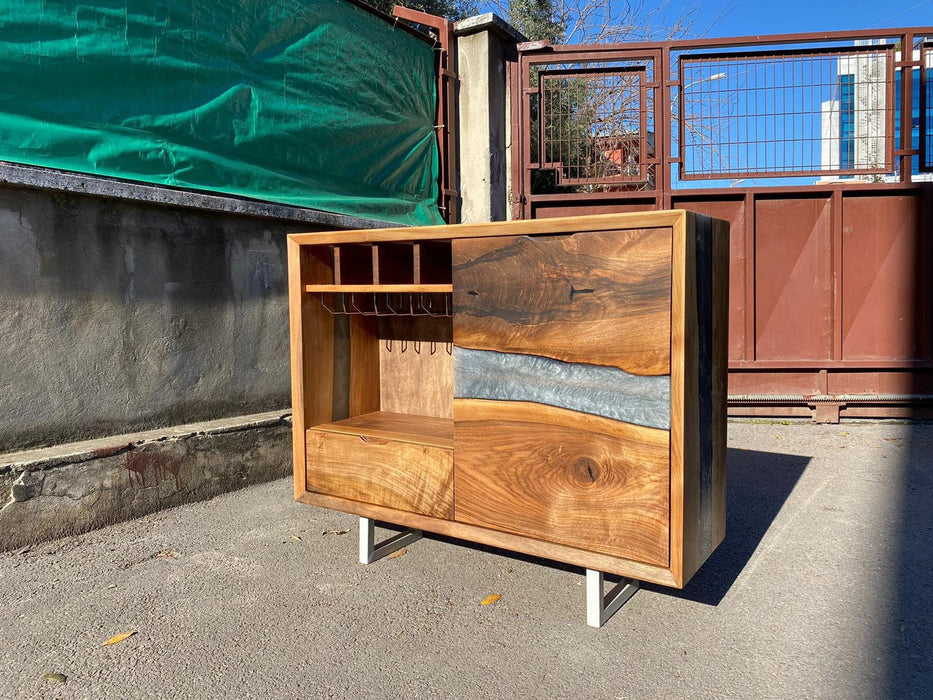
[758, 484]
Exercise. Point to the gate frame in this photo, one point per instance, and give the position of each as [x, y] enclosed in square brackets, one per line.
[772, 397]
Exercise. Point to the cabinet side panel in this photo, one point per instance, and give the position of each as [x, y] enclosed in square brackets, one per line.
[705, 378]
[689, 410]
[562, 476]
[705, 390]
[721, 255]
[311, 330]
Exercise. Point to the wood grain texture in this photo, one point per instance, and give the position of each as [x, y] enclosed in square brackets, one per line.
[494, 538]
[600, 298]
[364, 365]
[403, 427]
[557, 475]
[532, 227]
[378, 470]
[417, 381]
[312, 343]
[682, 338]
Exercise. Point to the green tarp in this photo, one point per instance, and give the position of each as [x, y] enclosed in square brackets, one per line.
[315, 103]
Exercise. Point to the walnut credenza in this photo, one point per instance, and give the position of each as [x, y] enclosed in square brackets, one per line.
[555, 387]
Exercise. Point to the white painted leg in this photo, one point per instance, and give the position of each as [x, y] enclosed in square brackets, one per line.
[370, 551]
[601, 606]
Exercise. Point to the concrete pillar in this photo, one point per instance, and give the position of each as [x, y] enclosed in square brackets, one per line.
[484, 45]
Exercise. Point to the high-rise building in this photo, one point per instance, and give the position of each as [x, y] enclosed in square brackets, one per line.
[854, 124]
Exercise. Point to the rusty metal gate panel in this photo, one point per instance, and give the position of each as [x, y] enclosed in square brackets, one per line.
[763, 113]
[816, 148]
[587, 122]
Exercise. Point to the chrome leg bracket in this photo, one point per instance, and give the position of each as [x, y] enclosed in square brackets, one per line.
[370, 551]
[601, 606]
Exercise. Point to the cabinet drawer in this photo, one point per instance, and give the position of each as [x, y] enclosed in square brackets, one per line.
[396, 474]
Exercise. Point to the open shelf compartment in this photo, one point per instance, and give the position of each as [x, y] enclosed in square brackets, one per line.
[400, 427]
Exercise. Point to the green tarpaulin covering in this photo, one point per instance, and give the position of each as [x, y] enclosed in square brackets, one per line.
[315, 103]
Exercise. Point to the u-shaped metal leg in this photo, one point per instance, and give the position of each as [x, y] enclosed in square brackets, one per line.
[601, 606]
[370, 551]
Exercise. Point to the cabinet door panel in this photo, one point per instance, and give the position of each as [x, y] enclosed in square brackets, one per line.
[561, 476]
[562, 389]
[596, 298]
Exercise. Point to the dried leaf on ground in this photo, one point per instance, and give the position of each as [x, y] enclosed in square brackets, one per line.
[56, 677]
[296, 537]
[397, 553]
[118, 638]
[490, 599]
[335, 532]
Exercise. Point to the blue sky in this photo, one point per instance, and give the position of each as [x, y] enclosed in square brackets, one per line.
[750, 17]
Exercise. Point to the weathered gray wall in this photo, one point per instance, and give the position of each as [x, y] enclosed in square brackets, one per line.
[117, 316]
[128, 308]
[69, 489]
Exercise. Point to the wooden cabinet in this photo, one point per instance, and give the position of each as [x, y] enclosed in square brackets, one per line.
[555, 387]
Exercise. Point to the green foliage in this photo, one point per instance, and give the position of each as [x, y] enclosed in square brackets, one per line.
[536, 19]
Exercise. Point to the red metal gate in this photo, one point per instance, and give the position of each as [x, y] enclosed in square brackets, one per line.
[816, 147]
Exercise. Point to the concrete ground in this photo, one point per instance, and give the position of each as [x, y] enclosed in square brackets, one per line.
[823, 588]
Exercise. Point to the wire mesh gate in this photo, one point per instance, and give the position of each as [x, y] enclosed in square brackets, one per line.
[818, 148]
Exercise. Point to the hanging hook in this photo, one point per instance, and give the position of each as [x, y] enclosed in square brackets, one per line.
[324, 304]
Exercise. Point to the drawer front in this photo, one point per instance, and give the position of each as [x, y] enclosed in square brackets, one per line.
[395, 474]
[562, 389]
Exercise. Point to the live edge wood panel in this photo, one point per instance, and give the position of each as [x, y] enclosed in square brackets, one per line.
[586, 385]
[547, 313]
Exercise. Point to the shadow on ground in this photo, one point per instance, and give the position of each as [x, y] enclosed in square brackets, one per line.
[910, 663]
[758, 485]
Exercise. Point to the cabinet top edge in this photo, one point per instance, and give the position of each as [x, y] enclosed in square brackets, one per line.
[568, 224]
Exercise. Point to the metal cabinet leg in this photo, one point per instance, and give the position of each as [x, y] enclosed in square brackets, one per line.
[601, 606]
[370, 551]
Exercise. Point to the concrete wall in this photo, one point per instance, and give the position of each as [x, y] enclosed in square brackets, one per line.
[119, 316]
[130, 314]
[128, 308]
